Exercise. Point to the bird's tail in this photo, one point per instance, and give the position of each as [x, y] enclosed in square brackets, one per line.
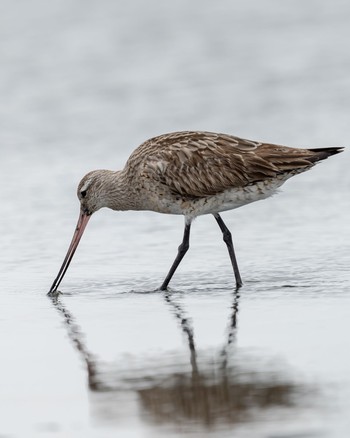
[323, 153]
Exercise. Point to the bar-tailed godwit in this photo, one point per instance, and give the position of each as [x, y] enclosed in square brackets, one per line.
[191, 173]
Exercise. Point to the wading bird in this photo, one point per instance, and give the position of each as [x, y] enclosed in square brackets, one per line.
[191, 173]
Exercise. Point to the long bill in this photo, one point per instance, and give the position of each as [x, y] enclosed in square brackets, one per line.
[79, 230]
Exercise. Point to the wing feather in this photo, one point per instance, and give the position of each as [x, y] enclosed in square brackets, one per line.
[196, 164]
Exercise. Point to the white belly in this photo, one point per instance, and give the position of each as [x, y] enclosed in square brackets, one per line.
[227, 200]
[231, 199]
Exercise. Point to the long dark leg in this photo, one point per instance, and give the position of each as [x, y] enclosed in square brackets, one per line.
[228, 240]
[180, 255]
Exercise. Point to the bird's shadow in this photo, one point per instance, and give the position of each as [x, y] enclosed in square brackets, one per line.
[214, 388]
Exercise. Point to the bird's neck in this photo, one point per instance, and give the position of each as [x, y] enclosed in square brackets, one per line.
[118, 192]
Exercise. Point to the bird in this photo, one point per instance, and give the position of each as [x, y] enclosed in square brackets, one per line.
[191, 173]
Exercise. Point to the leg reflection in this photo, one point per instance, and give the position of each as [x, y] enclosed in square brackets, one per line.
[226, 351]
[186, 328]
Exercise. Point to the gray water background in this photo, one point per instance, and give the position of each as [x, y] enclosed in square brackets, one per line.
[82, 83]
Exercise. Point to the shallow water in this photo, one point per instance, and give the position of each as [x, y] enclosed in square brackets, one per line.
[81, 85]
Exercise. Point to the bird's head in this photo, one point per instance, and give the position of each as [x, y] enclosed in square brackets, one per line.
[92, 191]
[99, 188]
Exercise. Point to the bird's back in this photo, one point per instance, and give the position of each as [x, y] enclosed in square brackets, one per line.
[198, 164]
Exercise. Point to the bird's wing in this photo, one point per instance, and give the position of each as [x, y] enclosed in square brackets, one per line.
[196, 164]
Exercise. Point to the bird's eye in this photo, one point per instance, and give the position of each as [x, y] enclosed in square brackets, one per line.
[83, 193]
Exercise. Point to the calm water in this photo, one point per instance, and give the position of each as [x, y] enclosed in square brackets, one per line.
[81, 85]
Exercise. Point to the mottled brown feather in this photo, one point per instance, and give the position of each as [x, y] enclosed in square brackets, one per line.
[197, 164]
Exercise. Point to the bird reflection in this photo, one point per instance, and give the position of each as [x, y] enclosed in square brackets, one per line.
[217, 392]
[216, 389]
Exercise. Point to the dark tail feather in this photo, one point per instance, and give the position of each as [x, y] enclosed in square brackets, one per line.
[323, 153]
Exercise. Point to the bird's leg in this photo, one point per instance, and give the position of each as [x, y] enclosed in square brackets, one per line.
[228, 240]
[185, 244]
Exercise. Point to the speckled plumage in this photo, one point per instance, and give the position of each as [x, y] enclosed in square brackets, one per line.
[192, 173]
